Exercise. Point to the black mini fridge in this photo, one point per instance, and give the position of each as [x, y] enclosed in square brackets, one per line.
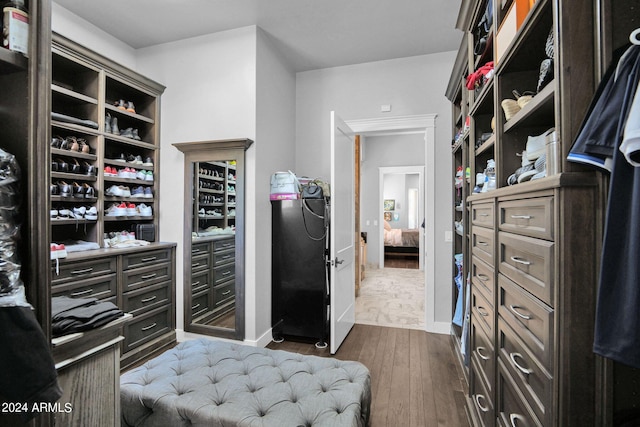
[299, 271]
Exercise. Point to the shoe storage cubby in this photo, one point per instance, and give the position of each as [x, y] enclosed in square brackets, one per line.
[520, 240]
[215, 195]
[104, 147]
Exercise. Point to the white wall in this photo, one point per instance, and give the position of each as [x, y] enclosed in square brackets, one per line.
[412, 86]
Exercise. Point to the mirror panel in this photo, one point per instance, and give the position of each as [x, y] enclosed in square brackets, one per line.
[213, 280]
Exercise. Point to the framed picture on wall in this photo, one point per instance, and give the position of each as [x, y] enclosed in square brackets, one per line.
[387, 216]
[389, 205]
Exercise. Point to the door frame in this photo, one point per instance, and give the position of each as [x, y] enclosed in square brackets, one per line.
[424, 124]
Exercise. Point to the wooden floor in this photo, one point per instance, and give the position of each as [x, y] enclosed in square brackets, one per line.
[401, 261]
[415, 377]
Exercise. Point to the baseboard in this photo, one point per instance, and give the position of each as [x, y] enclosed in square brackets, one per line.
[439, 327]
[262, 341]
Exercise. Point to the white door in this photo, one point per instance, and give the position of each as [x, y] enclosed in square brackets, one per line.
[342, 247]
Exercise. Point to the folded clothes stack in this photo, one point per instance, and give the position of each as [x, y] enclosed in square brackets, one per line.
[69, 315]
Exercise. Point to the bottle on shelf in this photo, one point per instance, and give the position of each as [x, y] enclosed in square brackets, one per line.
[15, 26]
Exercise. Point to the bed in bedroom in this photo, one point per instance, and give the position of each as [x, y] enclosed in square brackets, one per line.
[214, 383]
[401, 241]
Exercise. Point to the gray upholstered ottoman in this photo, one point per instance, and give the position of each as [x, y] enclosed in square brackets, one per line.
[215, 383]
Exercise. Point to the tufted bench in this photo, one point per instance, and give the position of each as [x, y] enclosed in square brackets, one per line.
[215, 383]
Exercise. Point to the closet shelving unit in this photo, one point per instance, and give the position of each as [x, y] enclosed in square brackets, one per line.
[214, 195]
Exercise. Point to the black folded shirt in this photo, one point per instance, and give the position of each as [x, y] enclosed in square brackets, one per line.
[71, 315]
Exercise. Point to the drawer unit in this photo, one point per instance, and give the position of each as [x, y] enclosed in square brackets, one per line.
[482, 278]
[529, 263]
[530, 217]
[140, 259]
[481, 398]
[224, 257]
[198, 249]
[223, 244]
[101, 287]
[530, 319]
[511, 407]
[147, 327]
[200, 280]
[200, 303]
[483, 214]
[224, 293]
[83, 269]
[532, 379]
[201, 261]
[482, 352]
[223, 273]
[482, 312]
[146, 299]
[147, 276]
[482, 242]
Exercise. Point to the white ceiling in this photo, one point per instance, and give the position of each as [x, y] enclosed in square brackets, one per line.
[311, 34]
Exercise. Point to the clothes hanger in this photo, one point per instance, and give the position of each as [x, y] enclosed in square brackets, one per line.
[634, 37]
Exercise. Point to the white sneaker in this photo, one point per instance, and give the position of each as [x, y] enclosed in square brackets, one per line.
[78, 212]
[116, 210]
[91, 214]
[142, 175]
[536, 145]
[149, 176]
[144, 210]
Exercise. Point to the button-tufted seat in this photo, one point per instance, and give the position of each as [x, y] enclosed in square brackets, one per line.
[214, 383]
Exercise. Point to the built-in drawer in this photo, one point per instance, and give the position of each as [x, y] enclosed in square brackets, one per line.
[140, 259]
[482, 240]
[147, 298]
[147, 327]
[482, 277]
[82, 270]
[482, 312]
[223, 273]
[200, 262]
[532, 379]
[224, 257]
[529, 263]
[531, 320]
[200, 280]
[224, 293]
[223, 244]
[511, 407]
[200, 303]
[146, 276]
[481, 397]
[482, 214]
[200, 248]
[482, 352]
[530, 217]
[101, 287]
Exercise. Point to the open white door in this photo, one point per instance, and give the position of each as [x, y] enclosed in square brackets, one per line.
[342, 247]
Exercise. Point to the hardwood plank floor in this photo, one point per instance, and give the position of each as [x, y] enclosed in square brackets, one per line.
[401, 261]
[415, 377]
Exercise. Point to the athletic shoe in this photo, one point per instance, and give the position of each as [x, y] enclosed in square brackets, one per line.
[109, 171]
[144, 210]
[536, 145]
[78, 212]
[148, 161]
[131, 209]
[137, 191]
[91, 214]
[149, 176]
[201, 213]
[148, 193]
[141, 175]
[117, 210]
[58, 251]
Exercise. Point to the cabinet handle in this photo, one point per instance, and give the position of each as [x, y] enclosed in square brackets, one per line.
[85, 292]
[514, 309]
[484, 214]
[227, 256]
[520, 260]
[83, 271]
[516, 417]
[482, 312]
[483, 277]
[521, 368]
[226, 273]
[149, 299]
[149, 276]
[195, 306]
[483, 243]
[151, 258]
[479, 350]
[151, 326]
[226, 292]
[195, 283]
[521, 216]
[195, 251]
[477, 399]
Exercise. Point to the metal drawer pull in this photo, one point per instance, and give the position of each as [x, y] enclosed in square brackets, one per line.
[522, 369]
[477, 399]
[227, 256]
[226, 273]
[483, 277]
[75, 294]
[479, 350]
[514, 309]
[482, 312]
[151, 258]
[151, 326]
[516, 417]
[195, 306]
[483, 243]
[149, 299]
[195, 264]
[226, 293]
[149, 276]
[195, 251]
[484, 214]
[520, 260]
[83, 271]
[195, 283]
[521, 216]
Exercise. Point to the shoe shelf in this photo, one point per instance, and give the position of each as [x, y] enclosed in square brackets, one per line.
[537, 112]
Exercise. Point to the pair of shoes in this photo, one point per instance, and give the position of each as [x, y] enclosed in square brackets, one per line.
[84, 191]
[125, 106]
[141, 191]
[118, 191]
[130, 133]
[111, 125]
[88, 213]
[536, 145]
[110, 171]
[513, 106]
